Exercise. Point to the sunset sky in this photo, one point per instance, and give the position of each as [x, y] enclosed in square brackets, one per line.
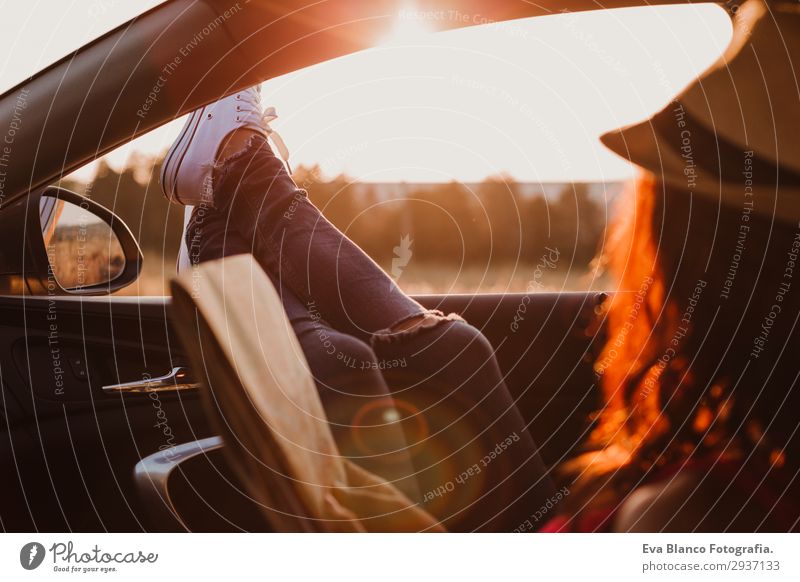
[528, 98]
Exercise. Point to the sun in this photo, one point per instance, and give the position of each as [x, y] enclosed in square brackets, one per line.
[409, 28]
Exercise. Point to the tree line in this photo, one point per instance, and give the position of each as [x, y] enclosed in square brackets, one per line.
[485, 224]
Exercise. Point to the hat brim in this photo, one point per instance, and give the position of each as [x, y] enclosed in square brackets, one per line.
[641, 145]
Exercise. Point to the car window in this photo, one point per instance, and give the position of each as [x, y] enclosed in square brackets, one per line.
[463, 161]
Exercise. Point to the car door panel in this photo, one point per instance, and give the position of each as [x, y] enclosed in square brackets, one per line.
[73, 446]
[70, 456]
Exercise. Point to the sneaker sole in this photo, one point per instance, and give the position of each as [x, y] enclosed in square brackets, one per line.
[175, 155]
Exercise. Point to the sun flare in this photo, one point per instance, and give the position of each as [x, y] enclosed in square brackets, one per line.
[408, 28]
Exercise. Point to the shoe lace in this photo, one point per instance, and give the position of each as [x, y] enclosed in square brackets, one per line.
[267, 117]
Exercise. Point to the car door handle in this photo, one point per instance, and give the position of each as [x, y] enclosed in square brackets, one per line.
[178, 379]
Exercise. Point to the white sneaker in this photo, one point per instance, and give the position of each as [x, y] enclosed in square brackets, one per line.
[189, 163]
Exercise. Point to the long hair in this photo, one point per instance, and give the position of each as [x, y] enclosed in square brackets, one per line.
[700, 356]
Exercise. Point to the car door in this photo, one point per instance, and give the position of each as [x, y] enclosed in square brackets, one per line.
[69, 450]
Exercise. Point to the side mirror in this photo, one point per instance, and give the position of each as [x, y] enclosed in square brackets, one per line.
[56, 242]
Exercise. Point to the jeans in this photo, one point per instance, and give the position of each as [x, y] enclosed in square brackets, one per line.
[425, 408]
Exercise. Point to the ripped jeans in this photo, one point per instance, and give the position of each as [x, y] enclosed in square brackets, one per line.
[426, 408]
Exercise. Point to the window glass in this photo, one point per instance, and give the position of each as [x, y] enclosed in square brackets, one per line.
[462, 161]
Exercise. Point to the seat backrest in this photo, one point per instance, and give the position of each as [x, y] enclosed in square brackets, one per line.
[258, 389]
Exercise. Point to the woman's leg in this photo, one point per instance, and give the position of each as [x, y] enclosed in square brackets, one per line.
[477, 465]
[448, 372]
[358, 403]
[353, 392]
[303, 249]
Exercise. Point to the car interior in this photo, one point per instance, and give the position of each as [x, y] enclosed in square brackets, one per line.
[95, 385]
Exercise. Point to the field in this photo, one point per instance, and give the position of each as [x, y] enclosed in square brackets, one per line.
[85, 255]
[421, 278]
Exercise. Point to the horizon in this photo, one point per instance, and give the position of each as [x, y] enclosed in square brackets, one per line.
[502, 178]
